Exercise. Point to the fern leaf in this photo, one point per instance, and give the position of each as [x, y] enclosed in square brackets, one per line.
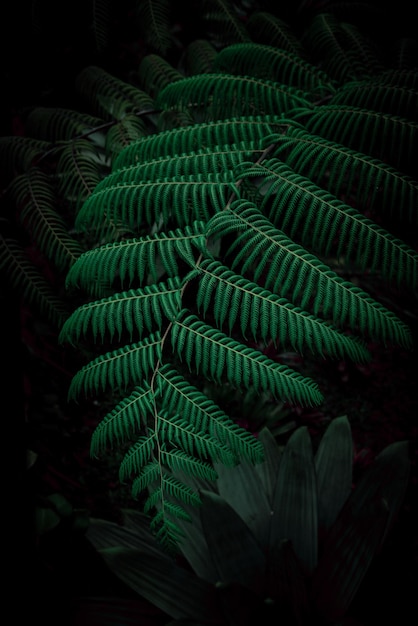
[198, 136]
[214, 354]
[133, 312]
[118, 368]
[183, 198]
[226, 95]
[109, 97]
[79, 170]
[28, 282]
[268, 316]
[221, 22]
[148, 474]
[268, 29]
[154, 23]
[154, 73]
[134, 260]
[17, 154]
[386, 137]
[348, 174]
[306, 212]
[124, 420]
[289, 270]
[59, 124]
[126, 131]
[199, 57]
[273, 64]
[36, 200]
[138, 455]
[178, 460]
[178, 396]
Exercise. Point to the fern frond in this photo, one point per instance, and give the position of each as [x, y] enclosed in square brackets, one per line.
[126, 131]
[290, 271]
[323, 38]
[210, 352]
[268, 29]
[222, 23]
[236, 300]
[199, 57]
[174, 488]
[28, 282]
[148, 474]
[59, 124]
[178, 396]
[135, 260]
[184, 199]
[109, 97]
[348, 174]
[383, 97]
[319, 220]
[80, 168]
[100, 23]
[18, 154]
[178, 460]
[273, 64]
[154, 73]
[199, 136]
[139, 455]
[226, 95]
[389, 138]
[124, 421]
[154, 23]
[117, 369]
[36, 201]
[132, 312]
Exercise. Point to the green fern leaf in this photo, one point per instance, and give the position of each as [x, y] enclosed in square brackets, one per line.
[36, 200]
[226, 95]
[134, 260]
[126, 131]
[273, 64]
[17, 154]
[177, 460]
[154, 23]
[289, 270]
[198, 137]
[59, 124]
[154, 73]
[109, 97]
[268, 316]
[138, 456]
[221, 22]
[308, 213]
[208, 351]
[133, 312]
[268, 29]
[199, 57]
[348, 174]
[118, 368]
[174, 488]
[178, 396]
[124, 420]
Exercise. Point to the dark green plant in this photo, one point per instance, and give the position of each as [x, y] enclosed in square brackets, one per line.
[290, 539]
[211, 219]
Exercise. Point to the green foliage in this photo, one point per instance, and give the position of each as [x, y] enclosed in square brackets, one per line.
[205, 211]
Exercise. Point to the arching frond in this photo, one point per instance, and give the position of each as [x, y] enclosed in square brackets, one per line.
[236, 301]
[307, 213]
[109, 97]
[18, 154]
[183, 199]
[395, 100]
[36, 200]
[154, 23]
[135, 260]
[349, 175]
[59, 124]
[130, 312]
[124, 421]
[117, 369]
[212, 353]
[80, 169]
[389, 138]
[199, 57]
[290, 271]
[222, 23]
[126, 131]
[28, 282]
[226, 95]
[178, 396]
[154, 73]
[198, 137]
[273, 64]
[268, 29]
